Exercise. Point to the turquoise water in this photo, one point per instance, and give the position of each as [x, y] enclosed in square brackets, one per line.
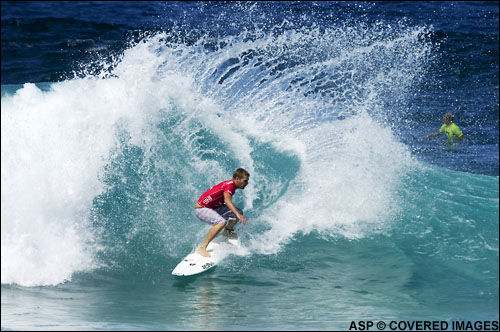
[347, 221]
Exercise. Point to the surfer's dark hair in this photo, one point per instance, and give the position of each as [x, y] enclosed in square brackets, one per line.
[240, 173]
[449, 116]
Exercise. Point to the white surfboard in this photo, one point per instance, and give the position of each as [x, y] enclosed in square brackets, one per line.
[194, 263]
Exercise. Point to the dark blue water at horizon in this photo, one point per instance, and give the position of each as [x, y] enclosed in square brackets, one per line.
[116, 116]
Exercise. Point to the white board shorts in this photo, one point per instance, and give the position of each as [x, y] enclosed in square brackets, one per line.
[215, 216]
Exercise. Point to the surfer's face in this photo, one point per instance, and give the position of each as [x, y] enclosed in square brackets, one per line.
[447, 119]
[241, 183]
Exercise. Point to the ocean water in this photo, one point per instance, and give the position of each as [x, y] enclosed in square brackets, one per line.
[116, 116]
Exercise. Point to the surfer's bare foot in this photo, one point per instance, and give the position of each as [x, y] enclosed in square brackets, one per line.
[203, 252]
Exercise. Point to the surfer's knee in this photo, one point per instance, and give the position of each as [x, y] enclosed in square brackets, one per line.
[220, 225]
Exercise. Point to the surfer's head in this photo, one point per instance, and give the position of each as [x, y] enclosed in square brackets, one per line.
[240, 178]
[448, 118]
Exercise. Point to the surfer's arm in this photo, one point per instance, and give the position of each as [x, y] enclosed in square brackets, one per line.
[436, 133]
[229, 203]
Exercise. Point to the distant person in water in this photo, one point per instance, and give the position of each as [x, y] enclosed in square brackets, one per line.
[450, 128]
[216, 208]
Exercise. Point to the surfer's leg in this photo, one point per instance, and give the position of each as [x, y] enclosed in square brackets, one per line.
[211, 217]
[228, 230]
[228, 215]
[212, 233]
[231, 222]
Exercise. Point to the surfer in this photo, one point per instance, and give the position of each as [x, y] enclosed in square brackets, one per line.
[215, 207]
[450, 128]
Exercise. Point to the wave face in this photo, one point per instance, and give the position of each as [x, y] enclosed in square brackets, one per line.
[100, 172]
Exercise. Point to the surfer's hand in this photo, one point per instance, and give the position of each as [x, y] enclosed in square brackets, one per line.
[242, 219]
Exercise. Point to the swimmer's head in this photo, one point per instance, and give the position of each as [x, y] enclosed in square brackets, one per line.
[447, 118]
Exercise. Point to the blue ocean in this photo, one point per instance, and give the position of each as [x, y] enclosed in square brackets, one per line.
[117, 116]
